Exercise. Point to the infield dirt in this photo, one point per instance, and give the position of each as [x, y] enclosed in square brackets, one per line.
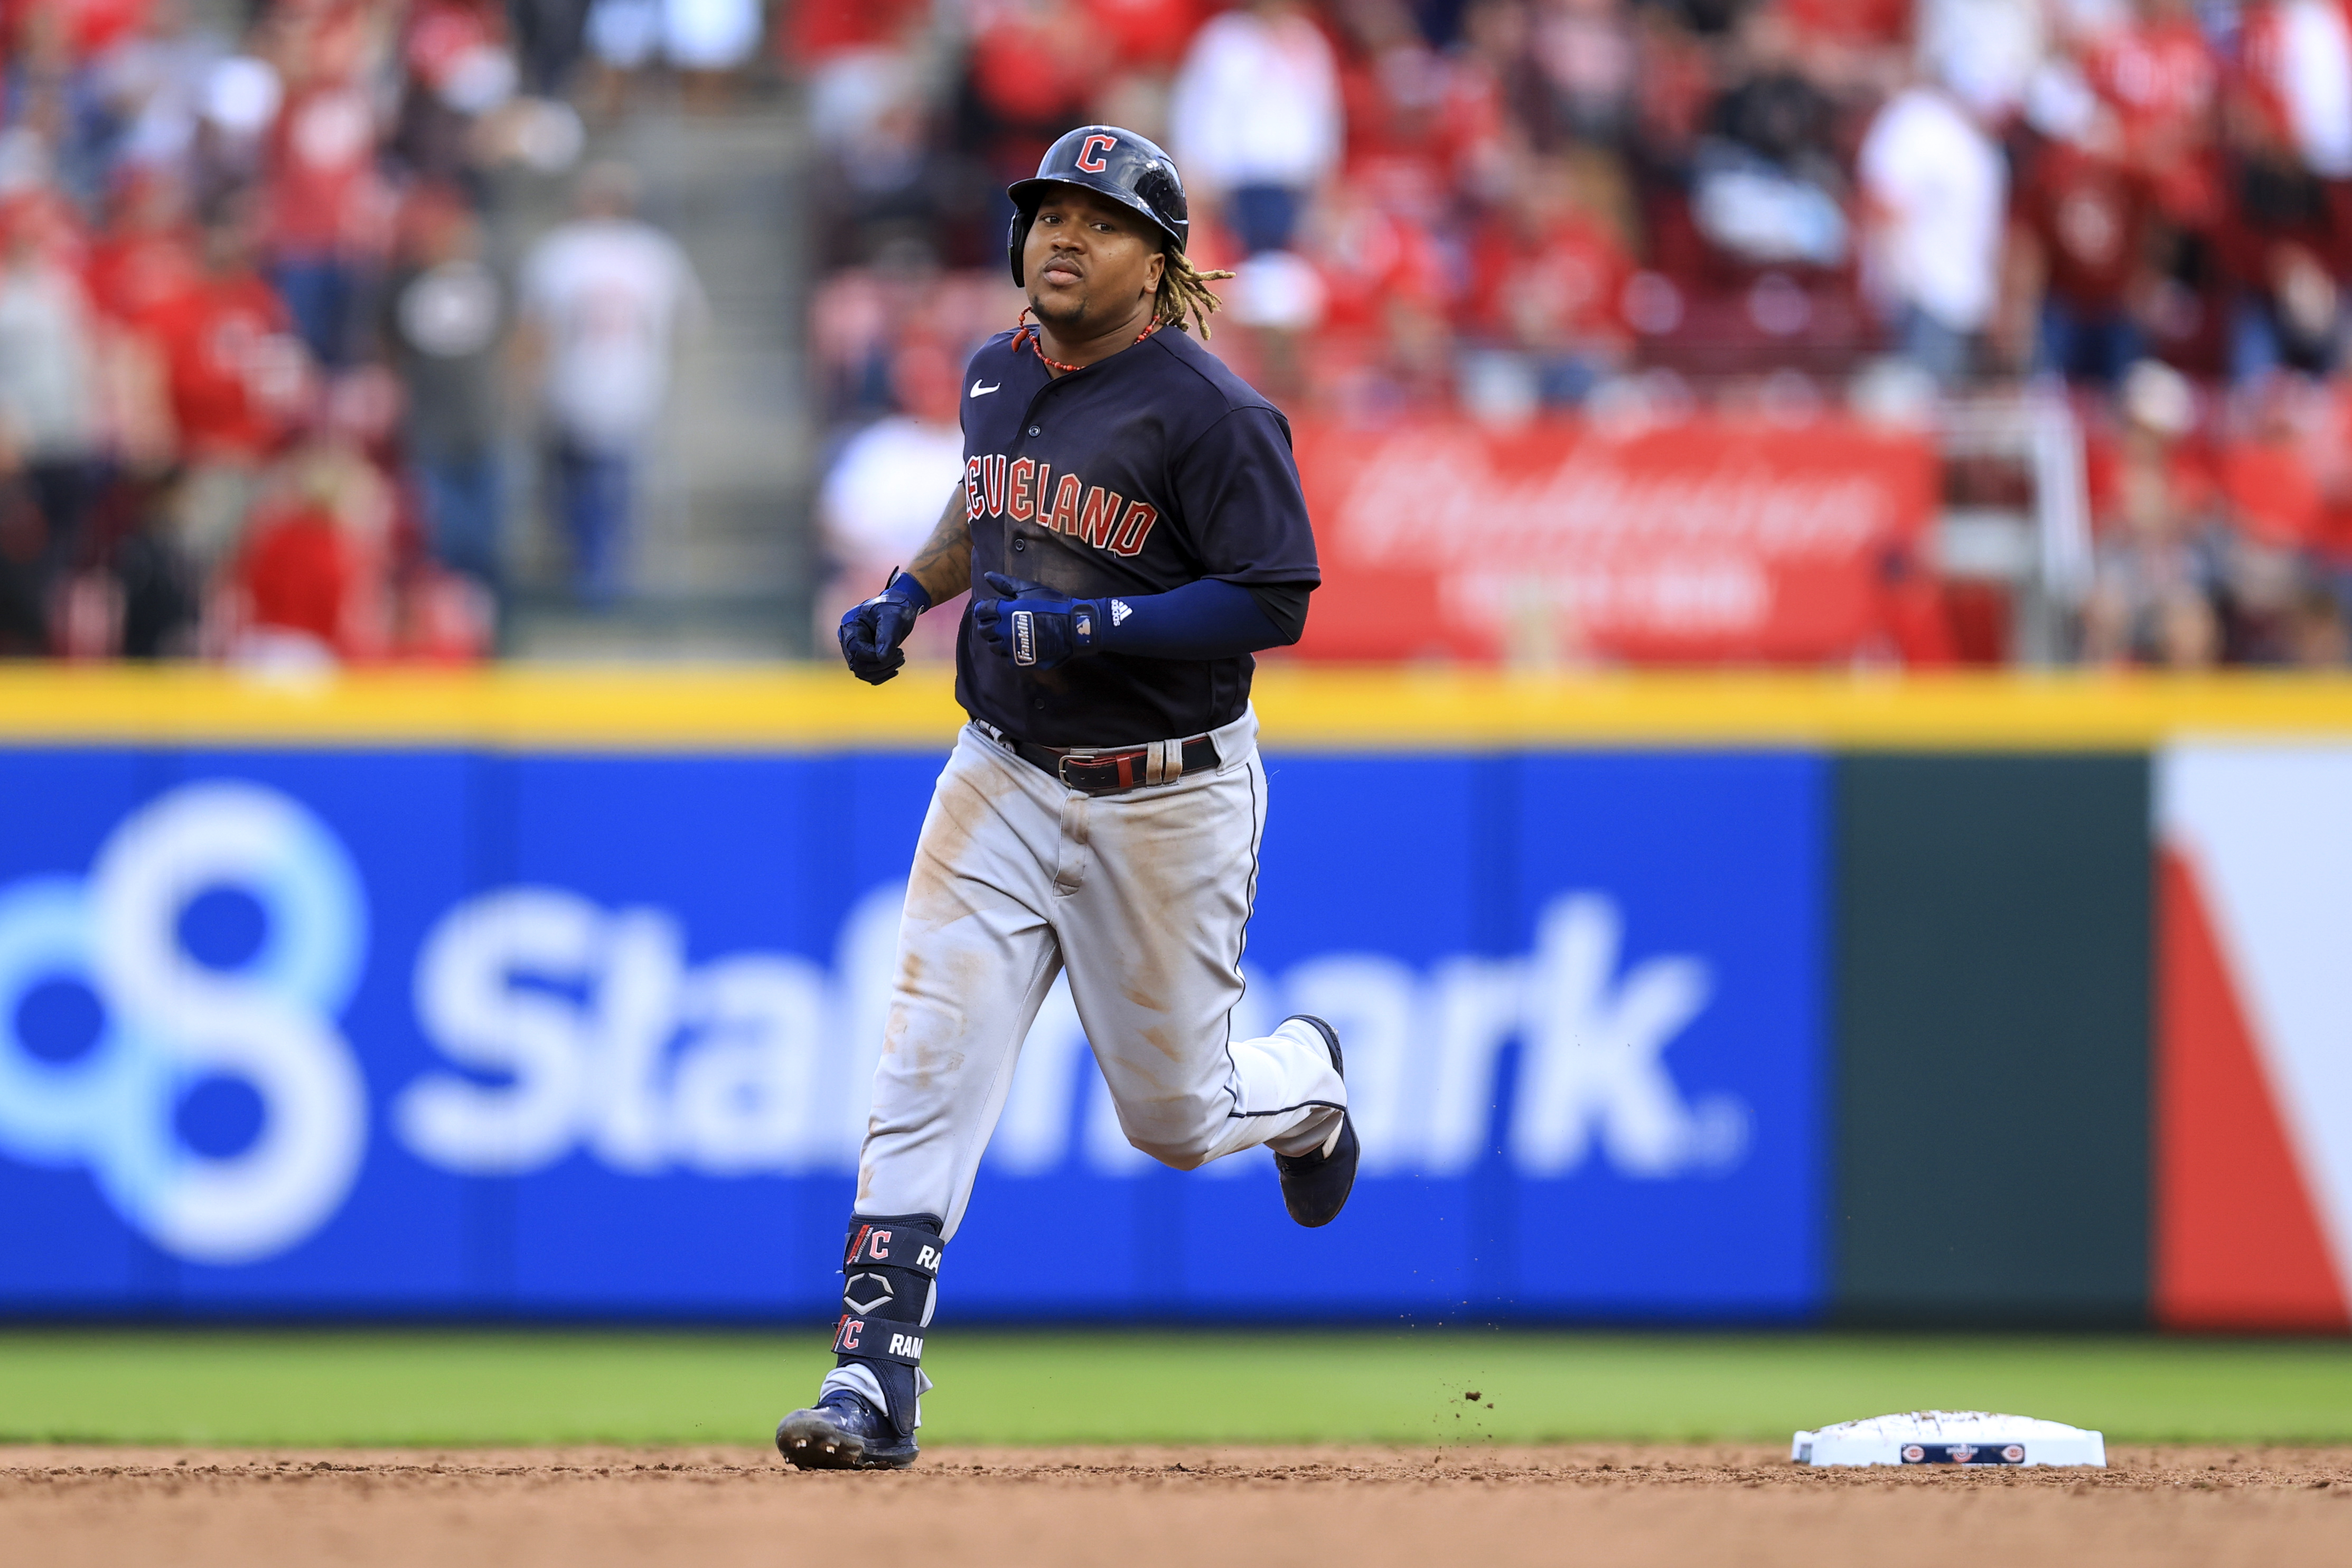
[1181, 1508]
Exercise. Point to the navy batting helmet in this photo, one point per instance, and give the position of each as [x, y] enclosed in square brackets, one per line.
[1131, 169]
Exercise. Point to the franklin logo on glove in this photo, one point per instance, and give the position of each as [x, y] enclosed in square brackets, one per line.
[1046, 631]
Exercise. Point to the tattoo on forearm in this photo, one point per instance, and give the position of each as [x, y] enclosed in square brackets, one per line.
[943, 566]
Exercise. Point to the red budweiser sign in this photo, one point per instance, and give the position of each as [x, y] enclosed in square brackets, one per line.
[1712, 539]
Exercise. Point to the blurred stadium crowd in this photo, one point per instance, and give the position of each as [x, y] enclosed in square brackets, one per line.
[255, 365]
[271, 338]
[1500, 208]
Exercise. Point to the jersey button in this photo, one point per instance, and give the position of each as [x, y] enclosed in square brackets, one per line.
[1039, 704]
[1032, 430]
[1020, 544]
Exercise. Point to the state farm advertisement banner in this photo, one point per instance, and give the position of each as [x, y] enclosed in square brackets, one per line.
[433, 1032]
[1710, 539]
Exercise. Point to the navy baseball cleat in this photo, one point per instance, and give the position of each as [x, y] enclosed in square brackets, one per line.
[1315, 1187]
[843, 1432]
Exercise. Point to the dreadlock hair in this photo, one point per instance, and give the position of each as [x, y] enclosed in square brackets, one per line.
[1185, 291]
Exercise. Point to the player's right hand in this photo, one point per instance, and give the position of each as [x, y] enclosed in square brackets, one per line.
[1033, 625]
[871, 631]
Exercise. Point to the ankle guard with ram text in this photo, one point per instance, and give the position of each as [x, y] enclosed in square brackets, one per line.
[889, 1274]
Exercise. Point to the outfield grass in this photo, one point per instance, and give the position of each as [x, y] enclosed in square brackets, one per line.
[477, 1388]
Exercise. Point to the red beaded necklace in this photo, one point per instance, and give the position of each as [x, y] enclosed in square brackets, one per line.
[1037, 343]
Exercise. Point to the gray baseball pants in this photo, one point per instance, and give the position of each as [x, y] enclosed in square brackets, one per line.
[1144, 897]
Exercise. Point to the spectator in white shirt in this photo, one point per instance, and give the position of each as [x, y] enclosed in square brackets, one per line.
[2314, 79]
[1255, 118]
[1934, 192]
[880, 500]
[605, 300]
[49, 430]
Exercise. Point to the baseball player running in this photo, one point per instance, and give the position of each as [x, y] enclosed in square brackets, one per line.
[1131, 527]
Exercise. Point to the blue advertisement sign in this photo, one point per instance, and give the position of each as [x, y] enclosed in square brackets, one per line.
[448, 1033]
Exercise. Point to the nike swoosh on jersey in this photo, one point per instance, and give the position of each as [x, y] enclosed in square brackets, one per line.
[980, 391]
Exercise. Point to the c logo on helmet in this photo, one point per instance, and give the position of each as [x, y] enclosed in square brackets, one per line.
[1091, 151]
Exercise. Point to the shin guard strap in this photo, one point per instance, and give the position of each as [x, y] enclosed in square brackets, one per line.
[912, 1244]
[878, 1339]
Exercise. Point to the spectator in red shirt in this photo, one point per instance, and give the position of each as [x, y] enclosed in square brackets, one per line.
[146, 254]
[236, 379]
[818, 30]
[1392, 88]
[1862, 24]
[1147, 34]
[2160, 77]
[298, 574]
[1035, 65]
[85, 28]
[145, 260]
[2266, 475]
[1372, 259]
[1384, 339]
[2085, 228]
[311, 585]
[325, 203]
[2269, 476]
[236, 371]
[1492, 94]
[1546, 279]
[49, 221]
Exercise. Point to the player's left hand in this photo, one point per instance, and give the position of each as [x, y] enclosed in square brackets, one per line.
[1033, 625]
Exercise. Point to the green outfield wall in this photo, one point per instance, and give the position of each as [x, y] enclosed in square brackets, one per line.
[1992, 991]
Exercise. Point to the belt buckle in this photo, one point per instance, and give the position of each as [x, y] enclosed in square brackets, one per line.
[1123, 777]
[1083, 757]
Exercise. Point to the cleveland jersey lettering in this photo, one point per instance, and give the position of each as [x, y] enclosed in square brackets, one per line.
[1143, 472]
[997, 486]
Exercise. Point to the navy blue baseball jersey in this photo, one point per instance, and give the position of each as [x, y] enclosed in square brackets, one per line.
[1144, 471]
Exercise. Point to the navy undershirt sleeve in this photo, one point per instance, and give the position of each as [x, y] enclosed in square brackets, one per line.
[1210, 619]
[1284, 604]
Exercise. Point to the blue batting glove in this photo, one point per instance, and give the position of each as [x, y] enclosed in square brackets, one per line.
[1033, 625]
[871, 631]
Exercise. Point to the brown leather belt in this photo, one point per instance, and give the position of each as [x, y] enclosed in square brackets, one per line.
[1114, 769]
